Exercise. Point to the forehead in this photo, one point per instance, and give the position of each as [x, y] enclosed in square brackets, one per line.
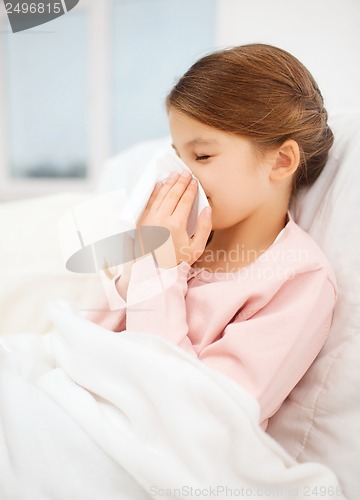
[191, 132]
[188, 134]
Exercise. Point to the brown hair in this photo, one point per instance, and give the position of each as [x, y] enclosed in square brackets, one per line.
[264, 93]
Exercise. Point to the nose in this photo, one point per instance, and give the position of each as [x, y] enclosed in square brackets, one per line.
[192, 166]
[207, 196]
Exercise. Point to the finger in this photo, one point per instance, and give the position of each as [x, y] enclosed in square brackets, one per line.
[165, 188]
[174, 194]
[203, 230]
[184, 206]
[154, 194]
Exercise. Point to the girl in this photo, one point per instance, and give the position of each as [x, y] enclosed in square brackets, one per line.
[250, 294]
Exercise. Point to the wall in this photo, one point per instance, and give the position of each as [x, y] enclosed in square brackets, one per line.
[323, 34]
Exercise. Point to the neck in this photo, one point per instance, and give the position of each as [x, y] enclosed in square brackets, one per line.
[251, 236]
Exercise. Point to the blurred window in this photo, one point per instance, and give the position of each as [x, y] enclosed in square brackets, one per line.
[46, 98]
[90, 83]
[155, 41]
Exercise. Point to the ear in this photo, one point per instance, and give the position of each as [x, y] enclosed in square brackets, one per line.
[286, 160]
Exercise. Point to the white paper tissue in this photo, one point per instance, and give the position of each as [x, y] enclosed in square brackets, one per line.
[86, 228]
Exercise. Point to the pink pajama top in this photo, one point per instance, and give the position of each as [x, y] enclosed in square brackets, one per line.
[262, 325]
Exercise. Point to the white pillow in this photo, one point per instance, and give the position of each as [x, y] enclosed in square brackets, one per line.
[320, 420]
[32, 268]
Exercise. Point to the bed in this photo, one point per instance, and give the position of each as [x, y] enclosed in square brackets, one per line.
[311, 447]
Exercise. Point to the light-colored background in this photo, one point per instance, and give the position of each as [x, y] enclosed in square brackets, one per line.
[323, 34]
[76, 91]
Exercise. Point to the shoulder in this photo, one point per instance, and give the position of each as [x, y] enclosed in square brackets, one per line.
[296, 251]
[295, 280]
[294, 270]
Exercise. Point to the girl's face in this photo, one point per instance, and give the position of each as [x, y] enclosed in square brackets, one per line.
[234, 176]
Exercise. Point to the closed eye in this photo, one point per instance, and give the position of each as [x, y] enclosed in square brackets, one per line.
[202, 157]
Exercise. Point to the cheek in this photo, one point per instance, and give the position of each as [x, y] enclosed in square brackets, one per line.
[233, 197]
[226, 191]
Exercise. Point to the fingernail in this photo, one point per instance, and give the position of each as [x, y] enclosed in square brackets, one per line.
[208, 211]
[193, 182]
[185, 173]
[173, 175]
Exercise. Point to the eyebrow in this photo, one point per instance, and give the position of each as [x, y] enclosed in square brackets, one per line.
[199, 141]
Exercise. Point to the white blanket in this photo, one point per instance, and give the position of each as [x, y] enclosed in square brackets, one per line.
[86, 413]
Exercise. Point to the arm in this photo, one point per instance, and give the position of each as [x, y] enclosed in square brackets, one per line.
[109, 310]
[156, 301]
[169, 207]
[145, 307]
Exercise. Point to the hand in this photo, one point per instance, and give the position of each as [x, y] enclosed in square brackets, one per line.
[169, 206]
